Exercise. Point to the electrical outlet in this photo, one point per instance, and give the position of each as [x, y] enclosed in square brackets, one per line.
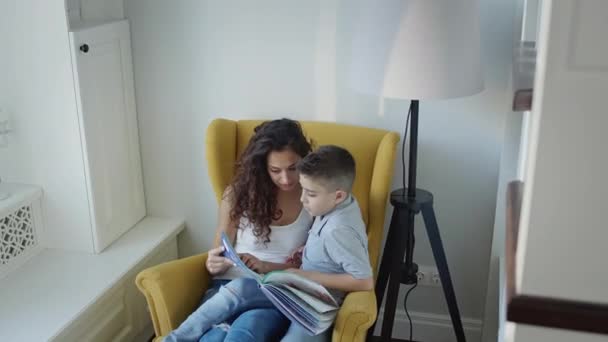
[435, 279]
[428, 276]
[421, 277]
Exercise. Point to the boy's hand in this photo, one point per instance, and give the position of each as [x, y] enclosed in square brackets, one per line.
[295, 258]
[254, 263]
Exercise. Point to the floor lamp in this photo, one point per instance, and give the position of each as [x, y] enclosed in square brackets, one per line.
[435, 54]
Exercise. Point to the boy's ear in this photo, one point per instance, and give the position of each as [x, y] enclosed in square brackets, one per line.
[340, 196]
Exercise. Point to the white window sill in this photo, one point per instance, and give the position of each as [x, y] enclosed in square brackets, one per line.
[50, 290]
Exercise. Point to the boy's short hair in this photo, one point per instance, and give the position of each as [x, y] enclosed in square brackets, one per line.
[332, 165]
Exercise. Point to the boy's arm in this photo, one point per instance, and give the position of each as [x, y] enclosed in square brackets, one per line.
[294, 260]
[263, 267]
[347, 249]
[273, 266]
[343, 281]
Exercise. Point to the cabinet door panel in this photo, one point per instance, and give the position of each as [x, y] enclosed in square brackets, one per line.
[106, 100]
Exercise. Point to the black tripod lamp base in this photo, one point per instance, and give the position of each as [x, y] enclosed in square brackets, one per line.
[399, 246]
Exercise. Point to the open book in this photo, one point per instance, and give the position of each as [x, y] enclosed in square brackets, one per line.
[303, 301]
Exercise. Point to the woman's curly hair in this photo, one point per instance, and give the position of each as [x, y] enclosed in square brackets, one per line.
[254, 195]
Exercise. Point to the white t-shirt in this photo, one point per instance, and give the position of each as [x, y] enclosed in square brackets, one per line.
[283, 241]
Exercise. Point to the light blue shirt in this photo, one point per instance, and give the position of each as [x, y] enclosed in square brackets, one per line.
[337, 243]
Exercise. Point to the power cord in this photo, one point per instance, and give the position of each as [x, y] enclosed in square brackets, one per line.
[407, 125]
[406, 312]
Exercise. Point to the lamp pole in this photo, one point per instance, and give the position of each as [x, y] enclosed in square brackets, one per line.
[407, 203]
[422, 50]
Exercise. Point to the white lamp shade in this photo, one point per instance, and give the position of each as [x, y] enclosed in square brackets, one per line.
[425, 49]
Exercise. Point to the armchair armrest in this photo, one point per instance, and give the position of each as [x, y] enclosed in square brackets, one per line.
[356, 316]
[173, 289]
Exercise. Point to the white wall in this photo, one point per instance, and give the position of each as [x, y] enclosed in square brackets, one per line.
[562, 240]
[494, 309]
[564, 199]
[512, 163]
[198, 60]
[45, 148]
[528, 333]
[94, 11]
[9, 163]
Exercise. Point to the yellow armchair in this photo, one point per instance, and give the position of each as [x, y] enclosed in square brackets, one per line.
[173, 289]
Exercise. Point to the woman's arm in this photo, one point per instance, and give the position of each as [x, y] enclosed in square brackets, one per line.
[217, 264]
[343, 281]
[225, 224]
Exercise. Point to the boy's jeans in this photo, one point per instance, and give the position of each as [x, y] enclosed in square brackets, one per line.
[253, 325]
[296, 333]
[236, 296]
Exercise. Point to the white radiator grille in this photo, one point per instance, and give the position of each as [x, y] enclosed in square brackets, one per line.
[20, 225]
[17, 234]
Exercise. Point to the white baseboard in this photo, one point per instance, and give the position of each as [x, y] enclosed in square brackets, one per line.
[429, 327]
[145, 334]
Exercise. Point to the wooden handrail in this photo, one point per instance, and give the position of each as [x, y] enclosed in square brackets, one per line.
[514, 197]
[538, 310]
[559, 313]
[524, 68]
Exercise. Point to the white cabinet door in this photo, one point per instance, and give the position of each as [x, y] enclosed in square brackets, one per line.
[103, 74]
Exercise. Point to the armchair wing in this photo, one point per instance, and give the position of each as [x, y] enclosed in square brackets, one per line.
[357, 314]
[173, 290]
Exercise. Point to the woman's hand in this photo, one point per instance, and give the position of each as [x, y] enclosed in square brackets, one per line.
[254, 263]
[217, 264]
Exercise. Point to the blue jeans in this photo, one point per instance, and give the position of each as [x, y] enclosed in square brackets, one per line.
[296, 333]
[250, 326]
[232, 310]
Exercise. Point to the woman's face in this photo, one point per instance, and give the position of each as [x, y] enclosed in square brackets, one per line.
[282, 169]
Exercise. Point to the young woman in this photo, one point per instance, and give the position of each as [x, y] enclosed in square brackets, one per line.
[262, 214]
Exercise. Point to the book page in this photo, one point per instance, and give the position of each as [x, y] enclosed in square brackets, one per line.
[317, 304]
[298, 311]
[305, 285]
[309, 307]
[231, 254]
[288, 311]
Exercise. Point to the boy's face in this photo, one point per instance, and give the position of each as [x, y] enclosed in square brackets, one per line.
[317, 199]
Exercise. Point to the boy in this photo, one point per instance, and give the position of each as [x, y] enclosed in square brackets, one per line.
[335, 254]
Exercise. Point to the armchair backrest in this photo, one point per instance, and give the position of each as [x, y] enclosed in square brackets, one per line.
[373, 150]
